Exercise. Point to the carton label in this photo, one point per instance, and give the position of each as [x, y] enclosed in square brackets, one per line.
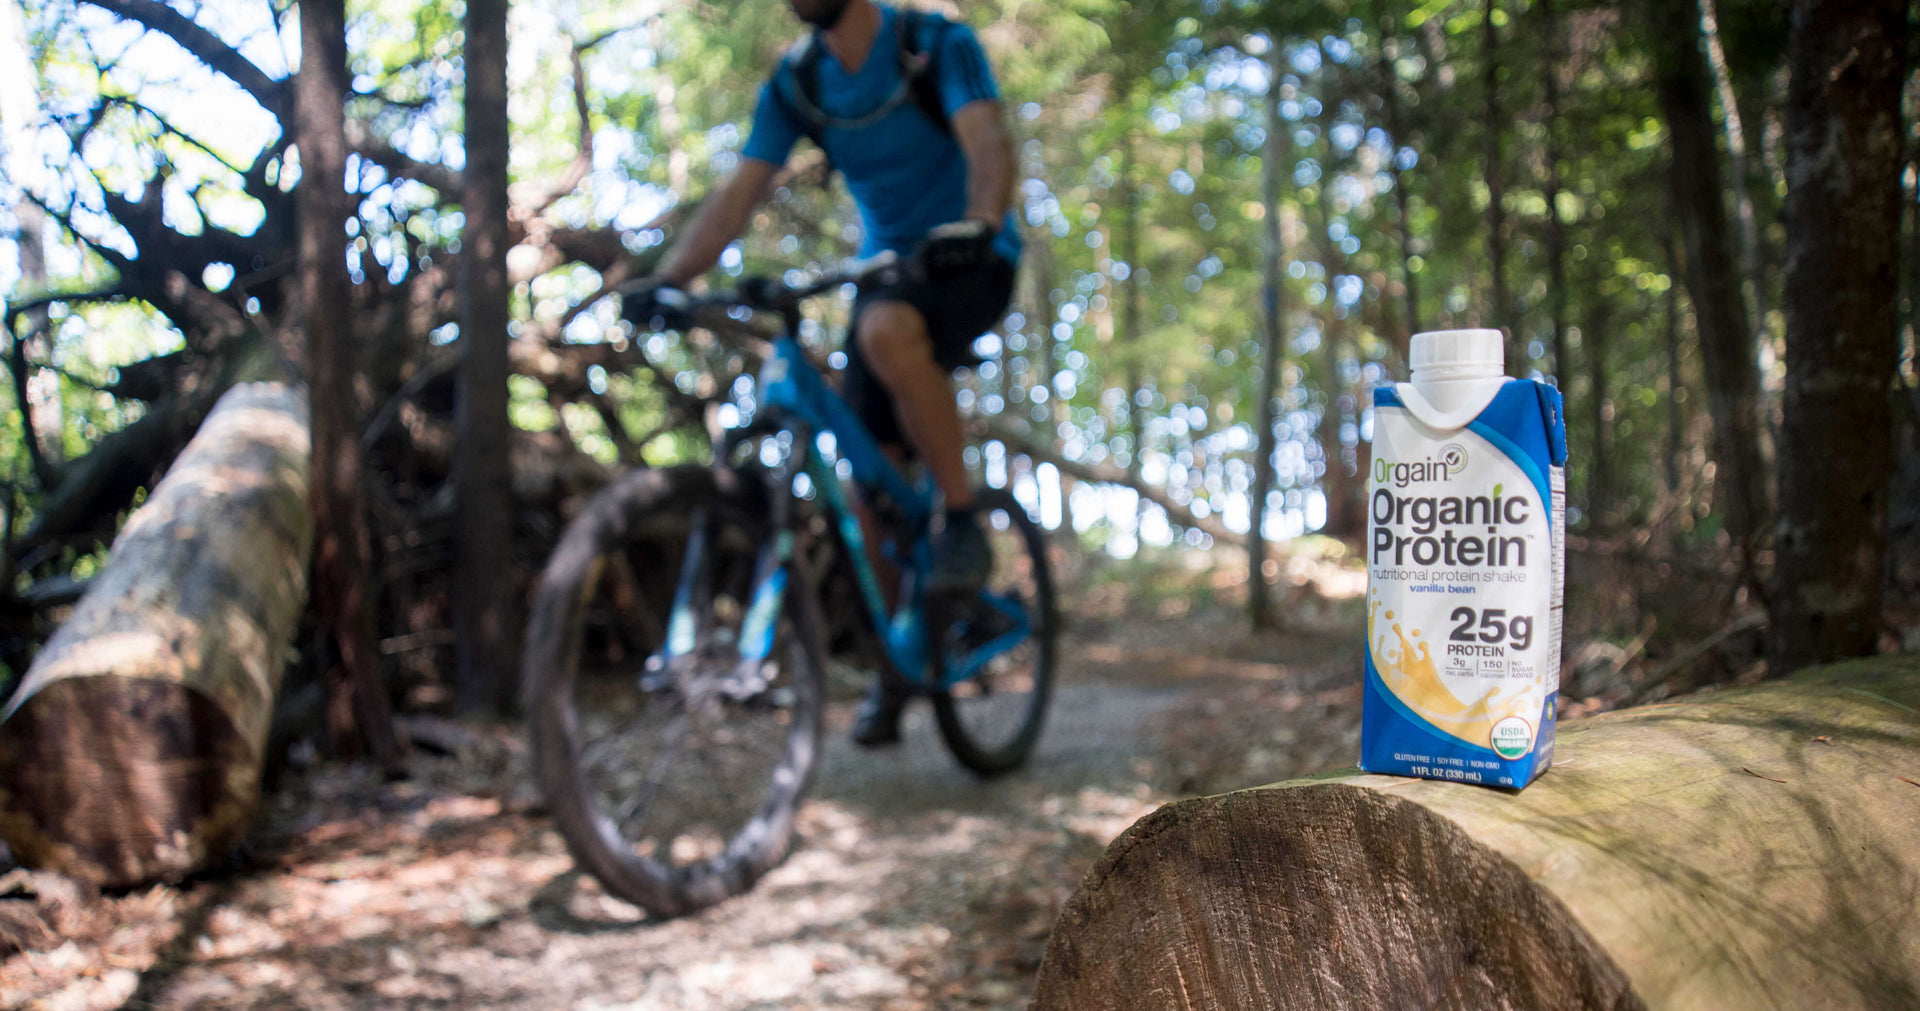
[1464, 556]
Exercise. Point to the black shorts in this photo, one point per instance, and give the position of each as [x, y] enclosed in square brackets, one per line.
[958, 310]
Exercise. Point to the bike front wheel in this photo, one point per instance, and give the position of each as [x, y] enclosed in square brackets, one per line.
[995, 657]
[672, 774]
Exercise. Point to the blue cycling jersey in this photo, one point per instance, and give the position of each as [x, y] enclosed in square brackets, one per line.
[905, 172]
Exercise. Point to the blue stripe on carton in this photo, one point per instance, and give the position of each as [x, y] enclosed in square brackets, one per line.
[1396, 742]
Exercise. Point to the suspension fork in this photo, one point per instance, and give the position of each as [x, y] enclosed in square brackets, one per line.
[695, 590]
[901, 629]
[772, 570]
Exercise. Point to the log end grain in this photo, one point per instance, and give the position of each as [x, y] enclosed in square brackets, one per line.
[1322, 896]
[119, 780]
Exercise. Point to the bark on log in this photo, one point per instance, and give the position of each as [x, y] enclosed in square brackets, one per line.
[1739, 849]
[132, 750]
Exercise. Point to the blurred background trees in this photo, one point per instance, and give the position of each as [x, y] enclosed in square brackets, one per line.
[1236, 214]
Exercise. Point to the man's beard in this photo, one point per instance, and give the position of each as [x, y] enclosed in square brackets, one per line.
[824, 14]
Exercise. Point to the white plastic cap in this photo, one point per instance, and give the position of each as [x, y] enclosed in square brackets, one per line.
[1457, 354]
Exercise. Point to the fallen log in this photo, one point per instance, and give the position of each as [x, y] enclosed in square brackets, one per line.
[132, 750]
[1753, 848]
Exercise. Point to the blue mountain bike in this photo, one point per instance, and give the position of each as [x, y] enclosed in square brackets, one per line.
[676, 654]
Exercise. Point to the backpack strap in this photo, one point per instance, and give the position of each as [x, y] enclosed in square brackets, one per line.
[914, 53]
[806, 78]
[920, 68]
[796, 86]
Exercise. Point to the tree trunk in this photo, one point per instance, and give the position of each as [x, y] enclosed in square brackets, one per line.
[358, 717]
[1676, 428]
[132, 750]
[1753, 288]
[1129, 337]
[1846, 148]
[1346, 517]
[1499, 300]
[1910, 326]
[1726, 345]
[485, 619]
[1259, 599]
[1402, 198]
[40, 417]
[1040, 254]
[1740, 849]
[1597, 337]
[1550, 68]
[1342, 487]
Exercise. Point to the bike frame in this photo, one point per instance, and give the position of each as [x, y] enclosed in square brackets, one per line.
[795, 398]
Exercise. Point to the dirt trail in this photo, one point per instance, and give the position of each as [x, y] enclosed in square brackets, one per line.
[914, 885]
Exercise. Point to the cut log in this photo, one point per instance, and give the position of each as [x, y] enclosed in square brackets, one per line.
[1754, 848]
[132, 750]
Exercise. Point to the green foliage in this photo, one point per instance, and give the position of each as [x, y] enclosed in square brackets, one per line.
[1141, 131]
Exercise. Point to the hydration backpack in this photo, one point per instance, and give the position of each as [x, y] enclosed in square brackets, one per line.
[799, 93]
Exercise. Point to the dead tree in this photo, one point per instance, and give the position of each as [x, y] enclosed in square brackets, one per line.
[132, 750]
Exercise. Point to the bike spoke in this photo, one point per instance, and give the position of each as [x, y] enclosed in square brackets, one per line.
[602, 753]
[672, 742]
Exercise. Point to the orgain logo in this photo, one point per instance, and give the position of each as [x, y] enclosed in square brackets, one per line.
[1451, 460]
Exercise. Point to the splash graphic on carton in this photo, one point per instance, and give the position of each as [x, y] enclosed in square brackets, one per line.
[1407, 667]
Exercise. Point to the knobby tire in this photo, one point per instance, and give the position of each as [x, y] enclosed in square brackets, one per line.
[1020, 683]
[640, 522]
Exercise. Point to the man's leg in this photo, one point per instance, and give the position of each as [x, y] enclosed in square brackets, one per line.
[877, 721]
[897, 347]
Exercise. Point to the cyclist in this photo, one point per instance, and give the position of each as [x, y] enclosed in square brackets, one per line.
[906, 109]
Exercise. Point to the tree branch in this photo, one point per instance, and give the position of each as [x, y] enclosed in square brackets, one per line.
[1109, 474]
[210, 323]
[410, 105]
[118, 261]
[623, 444]
[150, 379]
[17, 309]
[161, 248]
[167, 127]
[582, 163]
[12, 493]
[98, 485]
[420, 379]
[443, 180]
[45, 473]
[206, 47]
[277, 201]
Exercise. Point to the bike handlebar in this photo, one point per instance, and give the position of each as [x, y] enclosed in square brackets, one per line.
[879, 266]
[761, 294]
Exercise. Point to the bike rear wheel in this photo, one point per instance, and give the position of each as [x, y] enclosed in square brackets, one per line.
[995, 658]
[674, 783]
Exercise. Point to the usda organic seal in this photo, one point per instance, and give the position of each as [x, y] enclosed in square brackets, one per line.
[1512, 737]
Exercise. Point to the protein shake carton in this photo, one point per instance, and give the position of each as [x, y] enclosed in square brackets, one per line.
[1466, 557]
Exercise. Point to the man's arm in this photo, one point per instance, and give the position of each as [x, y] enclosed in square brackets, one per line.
[980, 127]
[721, 218]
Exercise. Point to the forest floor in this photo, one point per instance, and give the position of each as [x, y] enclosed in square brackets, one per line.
[913, 884]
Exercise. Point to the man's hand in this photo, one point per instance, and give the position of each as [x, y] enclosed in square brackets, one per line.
[651, 303]
[953, 248]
